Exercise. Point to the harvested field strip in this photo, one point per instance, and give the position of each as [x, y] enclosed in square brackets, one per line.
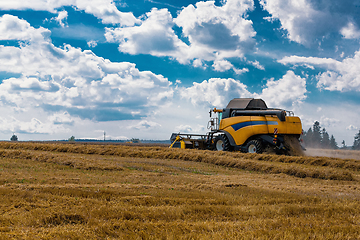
[71, 161]
[162, 204]
[349, 164]
[164, 152]
[294, 165]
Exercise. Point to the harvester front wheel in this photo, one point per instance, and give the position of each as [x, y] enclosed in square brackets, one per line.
[221, 143]
[254, 146]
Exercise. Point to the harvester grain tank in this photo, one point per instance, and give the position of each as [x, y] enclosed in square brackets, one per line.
[247, 125]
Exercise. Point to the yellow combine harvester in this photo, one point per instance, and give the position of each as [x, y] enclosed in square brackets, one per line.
[246, 125]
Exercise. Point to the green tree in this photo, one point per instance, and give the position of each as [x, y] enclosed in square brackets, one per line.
[14, 138]
[343, 144]
[325, 140]
[333, 144]
[72, 139]
[356, 145]
[316, 134]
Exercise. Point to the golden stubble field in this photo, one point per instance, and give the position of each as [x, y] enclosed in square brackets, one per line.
[85, 191]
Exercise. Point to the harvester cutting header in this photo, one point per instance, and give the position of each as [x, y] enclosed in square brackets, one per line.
[247, 125]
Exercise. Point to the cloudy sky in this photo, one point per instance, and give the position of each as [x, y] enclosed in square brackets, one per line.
[147, 68]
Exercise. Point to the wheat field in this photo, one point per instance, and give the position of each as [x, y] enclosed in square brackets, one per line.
[89, 191]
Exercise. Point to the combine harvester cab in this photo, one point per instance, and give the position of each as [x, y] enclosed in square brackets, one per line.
[247, 125]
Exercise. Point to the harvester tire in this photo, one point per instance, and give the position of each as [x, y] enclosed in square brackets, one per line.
[254, 146]
[222, 143]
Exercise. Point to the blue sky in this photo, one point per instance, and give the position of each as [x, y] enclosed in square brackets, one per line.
[147, 68]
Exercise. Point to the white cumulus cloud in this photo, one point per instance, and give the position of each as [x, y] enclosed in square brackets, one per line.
[105, 10]
[33, 126]
[92, 43]
[224, 65]
[220, 29]
[12, 28]
[198, 21]
[338, 75]
[285, 92]
[257, 65]
[154, 36]
[69, 79]
[62, 16]
[329, 122]
[213, 33]
[215, 92]
[351, 128]
[183, 129]
[145, 125]
[307, 21]
[350, 31]
[62, 118]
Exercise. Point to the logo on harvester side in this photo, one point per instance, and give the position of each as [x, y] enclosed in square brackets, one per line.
[252, 123]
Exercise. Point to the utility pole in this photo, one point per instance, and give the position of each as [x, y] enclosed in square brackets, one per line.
[104, 135]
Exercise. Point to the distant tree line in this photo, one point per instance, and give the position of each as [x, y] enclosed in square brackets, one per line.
[318, 137]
